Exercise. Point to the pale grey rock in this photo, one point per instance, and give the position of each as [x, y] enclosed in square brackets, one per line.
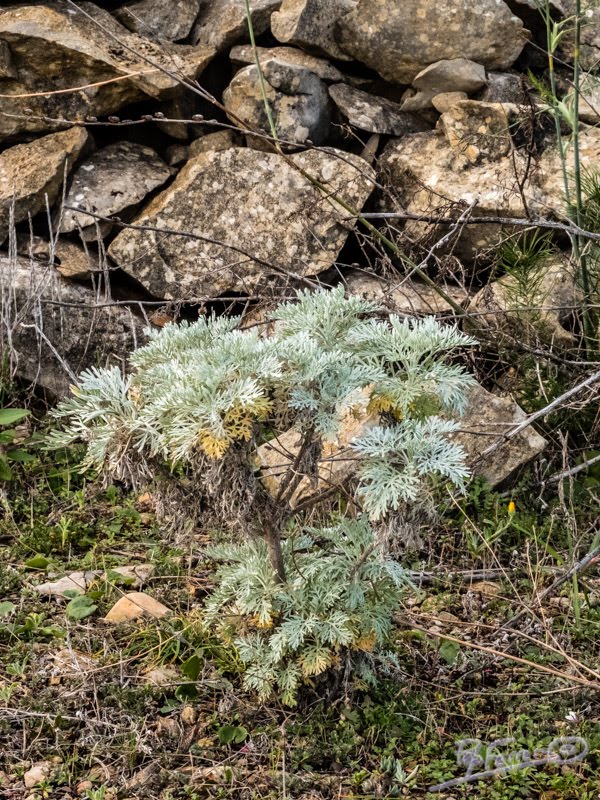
[254, 201]
[374, 114]
[165, 19]
[50, 324]
[399, 44]
[222, 23]
[503, 314]
[31, 175]
[56, 47]
[448, 75]
[244, 54]
[311, 24]
[80, 581]
[298, 98]
[548, 181]
[487, 419]
[114, 179]
[590, 33]
[403, 295]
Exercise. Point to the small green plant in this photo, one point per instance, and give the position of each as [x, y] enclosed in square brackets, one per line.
[202, 398]
[11, 439]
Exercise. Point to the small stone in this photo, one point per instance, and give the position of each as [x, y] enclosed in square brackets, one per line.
[162, 676]
[504, 87]
[135, 605]
[37, 773]
[404, 296]
[84, 787]
[189, 715]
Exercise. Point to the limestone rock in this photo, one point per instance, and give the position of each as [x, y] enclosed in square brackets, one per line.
[404, 295]
[374, 114]
[299, 101]
[244, 54]
[503, 314]
[448, 75]
[111, 180]
[135, 605]
[50, 322]
[479, 131]
[222, 23]
[399, 45]
[262, 215]
[311, 24]
[161, 18]
[31, 174]
[590, 33]
[56, 47]
[487, 418]
[430, 177]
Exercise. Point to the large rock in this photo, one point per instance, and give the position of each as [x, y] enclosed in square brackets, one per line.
[430, 178]
[31, 175]
[111, 180]
[161, 18]
[222, 23]
[56, 47]
[311, 24]
[260, 217]
[399, 43]
[487, 419]
[70, 259]
[434, 174]
[298, 99]
[244, 54]
[590, 32]
[374, 114]
[51, 329]
[511, 309]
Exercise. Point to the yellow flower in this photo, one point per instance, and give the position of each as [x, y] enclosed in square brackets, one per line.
[512, 507]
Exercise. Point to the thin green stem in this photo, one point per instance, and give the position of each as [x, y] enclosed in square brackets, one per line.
[261, 77]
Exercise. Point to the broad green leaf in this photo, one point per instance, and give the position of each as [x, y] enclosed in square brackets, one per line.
[232, 734]
[449, 652]
[8, 416]
[21, 456]
[6, 608]
[6, 472]
[80, 607]
[191, 667]
[37, 562]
